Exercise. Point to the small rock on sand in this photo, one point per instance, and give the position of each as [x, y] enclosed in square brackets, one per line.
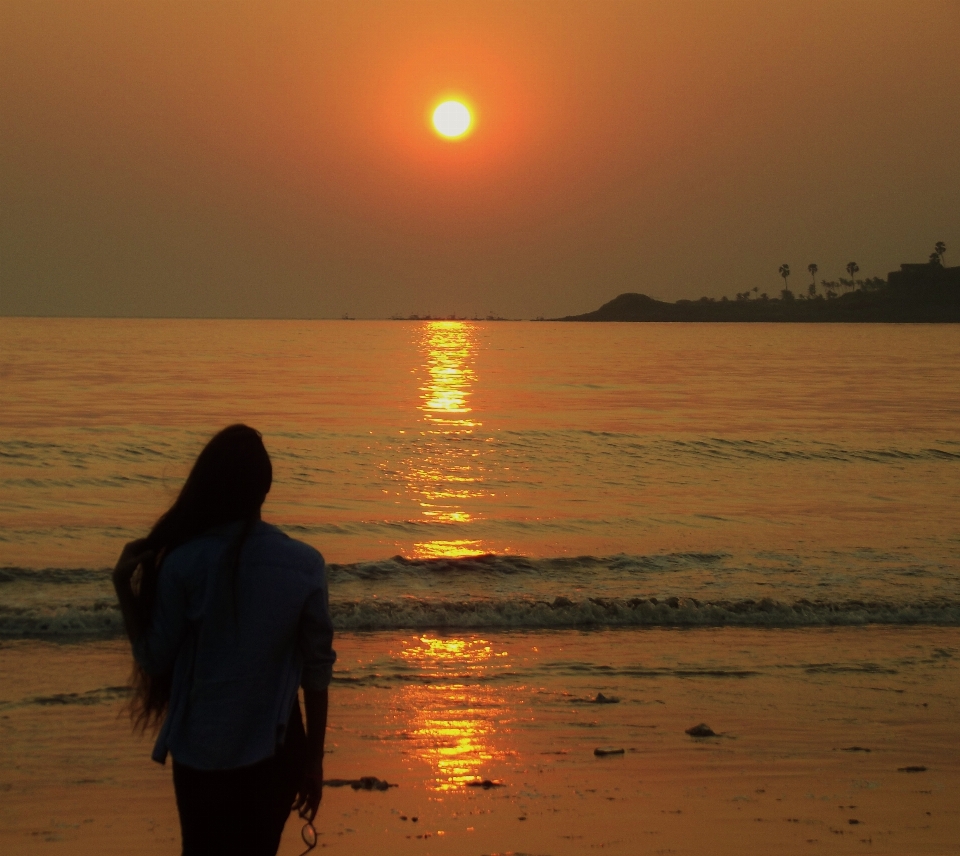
[916, 769]
[702, 730]
[602, 699]
[600, 753]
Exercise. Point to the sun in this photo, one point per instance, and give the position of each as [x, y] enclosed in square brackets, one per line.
[452, 119]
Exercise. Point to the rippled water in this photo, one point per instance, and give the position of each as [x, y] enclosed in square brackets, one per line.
[743, 470]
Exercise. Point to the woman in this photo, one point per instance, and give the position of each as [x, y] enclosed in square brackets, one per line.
[226, 617]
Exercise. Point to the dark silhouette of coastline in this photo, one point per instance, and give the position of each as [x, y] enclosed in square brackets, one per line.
[917, 293]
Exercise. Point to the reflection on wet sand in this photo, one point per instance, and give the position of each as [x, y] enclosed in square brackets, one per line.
[452, 717]
[446, 474]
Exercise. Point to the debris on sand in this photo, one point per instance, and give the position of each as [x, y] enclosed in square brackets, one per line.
[916, 769]
[854, 749]
[702, 730]
[601, 753]
[486, 784]
[602, 699]
[364, 783]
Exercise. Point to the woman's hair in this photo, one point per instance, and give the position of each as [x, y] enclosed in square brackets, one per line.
[228, 482]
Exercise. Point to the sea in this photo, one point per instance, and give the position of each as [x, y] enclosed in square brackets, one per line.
[544, 541]
[463, 476]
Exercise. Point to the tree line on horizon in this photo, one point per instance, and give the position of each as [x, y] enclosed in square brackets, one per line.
[830, 288]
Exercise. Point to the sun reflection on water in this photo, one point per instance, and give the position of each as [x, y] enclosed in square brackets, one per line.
[445, 476]
[452, 724]
[437, 549]
[449, 347]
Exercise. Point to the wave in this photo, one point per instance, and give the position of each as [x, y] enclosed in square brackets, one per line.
[400, 575]
[53, 576]
[565, 444]
[562, 612]
[630, 448]
[784, 449]
[489, 564]
[101, 619]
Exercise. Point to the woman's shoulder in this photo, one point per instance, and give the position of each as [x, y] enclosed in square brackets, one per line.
[194, 550]
[281, 544]
[194, 556]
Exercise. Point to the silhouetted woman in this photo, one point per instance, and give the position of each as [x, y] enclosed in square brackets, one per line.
[227, 617]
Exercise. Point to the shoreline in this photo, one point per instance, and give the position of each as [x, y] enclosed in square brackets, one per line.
[431, 713]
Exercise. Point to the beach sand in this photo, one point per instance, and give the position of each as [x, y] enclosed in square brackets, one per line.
[432, 712]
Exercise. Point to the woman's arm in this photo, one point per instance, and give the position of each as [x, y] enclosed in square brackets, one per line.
[315, 642]
[311, 788]
[131, 557]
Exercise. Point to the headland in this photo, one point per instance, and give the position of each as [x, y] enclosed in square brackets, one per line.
[917, 293]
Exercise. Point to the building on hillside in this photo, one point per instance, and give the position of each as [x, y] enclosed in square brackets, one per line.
[924, 275]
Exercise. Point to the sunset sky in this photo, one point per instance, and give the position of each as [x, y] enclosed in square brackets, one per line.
[276, 159]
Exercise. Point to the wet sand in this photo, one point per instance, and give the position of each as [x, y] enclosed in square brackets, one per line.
[432, 713]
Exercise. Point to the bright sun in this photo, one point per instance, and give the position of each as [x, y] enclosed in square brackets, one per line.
[451, 119]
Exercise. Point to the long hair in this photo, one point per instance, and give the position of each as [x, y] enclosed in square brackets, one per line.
[228, 482]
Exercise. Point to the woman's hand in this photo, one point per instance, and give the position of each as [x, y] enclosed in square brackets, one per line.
[311, 790]
[311, 786]
[131, 557]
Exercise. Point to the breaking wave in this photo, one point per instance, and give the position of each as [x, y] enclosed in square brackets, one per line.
[102, 617]
[491, 564]
[562, 612]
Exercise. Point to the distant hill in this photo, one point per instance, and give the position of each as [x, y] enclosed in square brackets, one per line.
[921, 293]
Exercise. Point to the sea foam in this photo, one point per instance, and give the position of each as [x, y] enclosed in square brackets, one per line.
[101, 618]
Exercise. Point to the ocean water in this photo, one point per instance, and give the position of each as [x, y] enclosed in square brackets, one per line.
[750, 526]
[465, 476]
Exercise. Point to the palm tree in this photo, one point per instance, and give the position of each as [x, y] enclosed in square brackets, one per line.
[812, 269]
[935, 259]
[785, 272]
[940, 249]
[852, 268]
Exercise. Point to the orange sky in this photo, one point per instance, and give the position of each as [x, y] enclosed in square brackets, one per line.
[274, 159]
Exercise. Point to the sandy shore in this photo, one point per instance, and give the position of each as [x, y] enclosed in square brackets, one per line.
[516, 709]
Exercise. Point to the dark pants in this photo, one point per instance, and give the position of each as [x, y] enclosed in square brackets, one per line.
[240, 812]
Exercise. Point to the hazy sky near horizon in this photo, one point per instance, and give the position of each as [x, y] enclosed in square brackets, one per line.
[274, 159]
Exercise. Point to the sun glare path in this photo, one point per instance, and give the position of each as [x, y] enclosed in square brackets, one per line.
[451, 119]
[446, 476]
[455, 722]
